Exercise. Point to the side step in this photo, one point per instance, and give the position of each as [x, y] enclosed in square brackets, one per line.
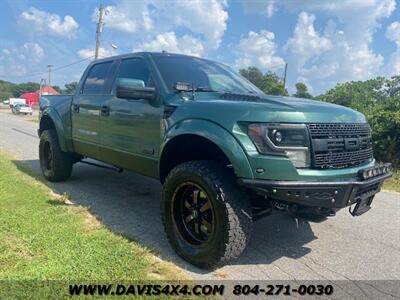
[119, 170]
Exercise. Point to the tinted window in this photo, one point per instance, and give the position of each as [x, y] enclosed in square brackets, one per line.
[202, 74]
[134, 69]
[95, 82]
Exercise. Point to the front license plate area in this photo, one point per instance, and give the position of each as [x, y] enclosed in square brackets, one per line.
[362, 206]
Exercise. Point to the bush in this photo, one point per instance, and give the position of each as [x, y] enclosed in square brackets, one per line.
[379, 100]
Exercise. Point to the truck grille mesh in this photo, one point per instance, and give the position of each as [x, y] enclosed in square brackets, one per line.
[340, 145]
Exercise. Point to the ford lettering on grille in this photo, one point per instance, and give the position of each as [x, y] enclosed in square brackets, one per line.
[340, 145]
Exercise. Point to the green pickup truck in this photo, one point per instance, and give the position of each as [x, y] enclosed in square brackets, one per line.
[226, 153]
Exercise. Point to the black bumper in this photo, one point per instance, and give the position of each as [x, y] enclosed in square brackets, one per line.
[333, 194]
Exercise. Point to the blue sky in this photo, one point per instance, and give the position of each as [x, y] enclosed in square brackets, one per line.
[324, 42]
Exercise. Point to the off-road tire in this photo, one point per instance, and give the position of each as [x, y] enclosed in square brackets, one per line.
[60, 166]
[232, 213]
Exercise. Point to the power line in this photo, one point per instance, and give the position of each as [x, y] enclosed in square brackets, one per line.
[26, 75]
[46, 72]
[73, 63]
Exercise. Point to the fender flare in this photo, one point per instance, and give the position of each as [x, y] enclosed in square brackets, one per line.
[217, 135]
[58, 124]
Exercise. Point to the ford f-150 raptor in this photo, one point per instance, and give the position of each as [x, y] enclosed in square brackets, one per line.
[226, 153]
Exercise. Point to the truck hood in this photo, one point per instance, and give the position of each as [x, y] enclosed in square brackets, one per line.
[244, 108]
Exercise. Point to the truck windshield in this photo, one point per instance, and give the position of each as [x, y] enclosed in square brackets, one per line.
[201, 73]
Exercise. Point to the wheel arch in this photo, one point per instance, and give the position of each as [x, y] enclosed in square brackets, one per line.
[202, 140]
[51, 120]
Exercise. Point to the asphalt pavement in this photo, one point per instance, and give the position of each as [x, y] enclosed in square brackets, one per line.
[282, 247]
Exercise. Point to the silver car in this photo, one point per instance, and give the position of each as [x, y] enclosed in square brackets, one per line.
[22, 109]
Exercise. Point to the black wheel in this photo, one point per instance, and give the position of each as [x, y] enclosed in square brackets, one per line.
[56, 165]
[206, 215]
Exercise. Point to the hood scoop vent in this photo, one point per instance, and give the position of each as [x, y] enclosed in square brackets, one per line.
[240, 97]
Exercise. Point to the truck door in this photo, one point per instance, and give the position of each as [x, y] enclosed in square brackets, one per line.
[130, 129]
[86, 109]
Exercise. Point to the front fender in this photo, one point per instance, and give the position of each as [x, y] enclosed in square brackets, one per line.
[219, 136]
[58, 124]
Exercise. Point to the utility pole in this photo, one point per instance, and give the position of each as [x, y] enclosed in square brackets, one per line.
[49, 66]
[285, 76]
[42, 82]
[99, 29]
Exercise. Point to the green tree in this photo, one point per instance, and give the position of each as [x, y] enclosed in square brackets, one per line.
[19, 89]
[57, 88]
[302, 91]
[269, 82]
[70, 88]
[6, 89]
[379, 100]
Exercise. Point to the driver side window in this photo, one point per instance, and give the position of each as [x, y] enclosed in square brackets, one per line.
[134, 69]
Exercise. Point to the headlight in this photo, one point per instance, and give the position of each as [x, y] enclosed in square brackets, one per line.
[291, 140]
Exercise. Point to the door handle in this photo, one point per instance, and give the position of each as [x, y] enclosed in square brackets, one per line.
[105, 110]
[75, 108]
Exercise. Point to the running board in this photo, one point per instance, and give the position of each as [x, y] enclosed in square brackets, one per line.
[119, 170]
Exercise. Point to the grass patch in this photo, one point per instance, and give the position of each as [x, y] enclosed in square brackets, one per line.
[44, 237]
[393, 183]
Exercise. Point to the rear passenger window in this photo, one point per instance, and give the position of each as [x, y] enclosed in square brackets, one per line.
[95, 82]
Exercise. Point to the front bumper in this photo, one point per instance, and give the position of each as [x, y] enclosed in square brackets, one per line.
[332, 194]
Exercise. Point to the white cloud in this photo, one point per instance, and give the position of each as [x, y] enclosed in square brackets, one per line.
[87, 52]
[14, 61]
[170, 43]
[266, 7]
[306, 41]
[339, 7]
[53, 24]
[340, 49]
[205, 20]
[393, 34]
[258, 49]
[36, 52]
[208, 18]
[128, 16]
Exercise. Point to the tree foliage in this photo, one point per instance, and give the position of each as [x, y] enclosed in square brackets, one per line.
[70, 88]
[269, 82]
[302, 91]
[27, 87]
[9, 89]
[379, 100]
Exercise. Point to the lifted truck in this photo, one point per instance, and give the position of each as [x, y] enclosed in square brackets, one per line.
[225, 152]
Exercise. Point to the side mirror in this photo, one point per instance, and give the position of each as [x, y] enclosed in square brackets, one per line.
[134, 89]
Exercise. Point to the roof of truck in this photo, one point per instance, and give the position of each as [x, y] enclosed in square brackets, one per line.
[143, 53]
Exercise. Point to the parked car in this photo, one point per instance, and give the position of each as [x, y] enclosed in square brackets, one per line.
[22, 109]
[226, 153]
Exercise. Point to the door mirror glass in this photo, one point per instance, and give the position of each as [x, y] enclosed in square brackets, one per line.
[135, 89]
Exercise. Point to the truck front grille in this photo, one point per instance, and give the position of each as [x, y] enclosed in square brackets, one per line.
[340, 145]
